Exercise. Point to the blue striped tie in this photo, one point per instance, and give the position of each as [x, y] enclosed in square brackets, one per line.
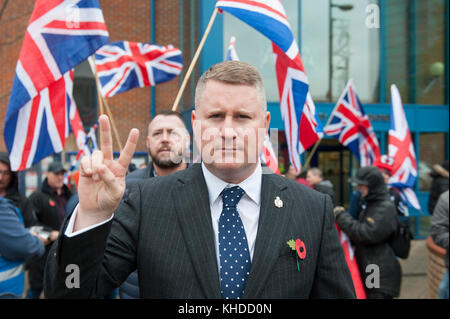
[233, 247]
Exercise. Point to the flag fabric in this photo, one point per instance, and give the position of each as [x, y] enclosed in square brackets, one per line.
[352, 264]
[125, 65]
[401, 150]
[351, 126]
[269, 157]
[269, 18]
[231, 52]
[301, 122]
[59, 36]
[40, 127]
[266, 16]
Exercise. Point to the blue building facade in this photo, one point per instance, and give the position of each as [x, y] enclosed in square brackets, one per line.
[375, 43]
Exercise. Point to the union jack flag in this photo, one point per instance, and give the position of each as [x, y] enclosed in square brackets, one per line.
[301, 122]
[352, 127]
[268, 17]
[401, 149]
[60, 35]
[124, 65]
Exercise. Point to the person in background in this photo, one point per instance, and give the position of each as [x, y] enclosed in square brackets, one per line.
[16, 245]
[439, 234]
[9, 189]
[291, 174]
[174, 229]
[49, 203]
[439, 184]
[314, 176]
[166, 142]
[371, 233]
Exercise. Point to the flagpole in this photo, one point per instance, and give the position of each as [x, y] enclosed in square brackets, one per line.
[113, 124]
[194, 60]
[102, 100]
[308, 159]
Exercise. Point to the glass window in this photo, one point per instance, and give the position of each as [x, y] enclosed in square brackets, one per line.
[432, 151]
[254, 48]
[355, 47]
[415, 49]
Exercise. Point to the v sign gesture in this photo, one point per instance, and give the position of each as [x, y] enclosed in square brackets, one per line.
[102, 180]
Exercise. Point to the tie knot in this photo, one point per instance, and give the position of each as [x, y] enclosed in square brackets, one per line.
[231, 196]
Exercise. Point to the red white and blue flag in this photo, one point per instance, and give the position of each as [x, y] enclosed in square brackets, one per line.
[269, 18]
[351, 126]
[301, 122]
[59, 36]
[266, 16]
[124, 65]
[401, 150]
[352, 264]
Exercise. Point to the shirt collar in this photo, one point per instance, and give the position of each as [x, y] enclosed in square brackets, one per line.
[251, 185]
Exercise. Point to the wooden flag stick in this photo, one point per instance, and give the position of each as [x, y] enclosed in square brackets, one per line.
[317, 144]
[308, 159]
[113, 124]
[194, 60]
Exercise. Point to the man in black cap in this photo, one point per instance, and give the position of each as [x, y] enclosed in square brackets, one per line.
[49, 202]
[371, 233]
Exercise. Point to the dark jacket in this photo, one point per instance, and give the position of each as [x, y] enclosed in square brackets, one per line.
[19, 200]
[130, 287]
[48, 215]
[326, 187]
[371, 233]
[438, 185]
[164, 229]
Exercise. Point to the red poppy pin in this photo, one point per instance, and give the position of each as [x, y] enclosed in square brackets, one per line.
[52, 203]
[299, 246]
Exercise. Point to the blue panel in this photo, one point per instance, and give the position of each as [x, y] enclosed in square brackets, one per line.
[213, 50]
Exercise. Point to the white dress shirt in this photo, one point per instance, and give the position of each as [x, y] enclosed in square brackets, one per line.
[248, 207]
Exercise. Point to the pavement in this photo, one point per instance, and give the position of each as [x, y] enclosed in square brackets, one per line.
[414, 269]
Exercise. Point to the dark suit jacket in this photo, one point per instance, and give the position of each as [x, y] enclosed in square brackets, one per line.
[164, 230]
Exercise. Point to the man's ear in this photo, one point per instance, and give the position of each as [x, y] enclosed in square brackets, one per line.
[267, 122]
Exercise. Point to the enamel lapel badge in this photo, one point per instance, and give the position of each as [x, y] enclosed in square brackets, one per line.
[278, 202]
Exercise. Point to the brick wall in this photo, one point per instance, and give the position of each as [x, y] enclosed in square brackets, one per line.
[126, 20]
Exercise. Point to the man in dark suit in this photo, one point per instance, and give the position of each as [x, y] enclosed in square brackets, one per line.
[219, 229]
[167, 142]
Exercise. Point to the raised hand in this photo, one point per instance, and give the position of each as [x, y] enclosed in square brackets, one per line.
[102, 180]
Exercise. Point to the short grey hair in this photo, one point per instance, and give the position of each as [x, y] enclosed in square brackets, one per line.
[316, 171]
[233, 72]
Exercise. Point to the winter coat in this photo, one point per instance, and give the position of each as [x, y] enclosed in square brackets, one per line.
[439, 224]
[16, 245]
[438, 185]
[19, 200]
[48, 215]
[371, 234]
[326, 187]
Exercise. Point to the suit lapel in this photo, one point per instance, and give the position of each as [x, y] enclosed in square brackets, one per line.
[272, 225]
[192, 205]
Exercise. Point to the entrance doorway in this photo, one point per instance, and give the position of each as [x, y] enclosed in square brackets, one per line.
[337, 164]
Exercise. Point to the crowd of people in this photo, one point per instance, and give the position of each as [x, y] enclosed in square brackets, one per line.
[119, 224]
